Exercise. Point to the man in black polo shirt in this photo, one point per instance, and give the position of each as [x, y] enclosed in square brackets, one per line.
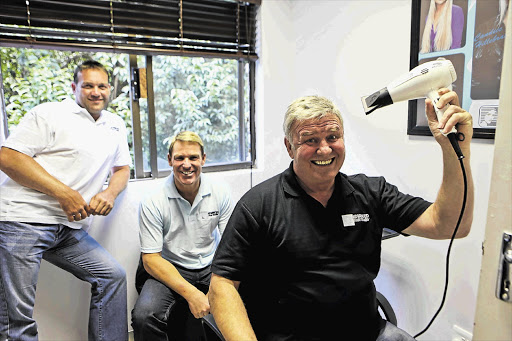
[301, 250]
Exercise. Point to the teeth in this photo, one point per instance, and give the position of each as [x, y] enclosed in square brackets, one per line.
[186, 173]
[323, 163]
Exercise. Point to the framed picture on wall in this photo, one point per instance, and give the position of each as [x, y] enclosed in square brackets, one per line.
[471, 34]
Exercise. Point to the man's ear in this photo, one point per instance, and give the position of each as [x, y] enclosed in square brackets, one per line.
[73, 87]
[169, 159]
[288, 147]
[204, 159]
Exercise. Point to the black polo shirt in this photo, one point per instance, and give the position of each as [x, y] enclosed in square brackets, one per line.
[306, 270]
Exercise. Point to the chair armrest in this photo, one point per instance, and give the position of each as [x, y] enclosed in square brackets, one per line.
[386, 308]
[210, 326]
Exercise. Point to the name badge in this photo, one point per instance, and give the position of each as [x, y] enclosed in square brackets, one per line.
[348, 220]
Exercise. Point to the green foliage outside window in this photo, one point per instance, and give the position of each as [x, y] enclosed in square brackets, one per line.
[197, 94]
[201, 95]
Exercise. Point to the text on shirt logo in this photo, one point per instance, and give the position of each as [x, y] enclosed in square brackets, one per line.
[361, 217]
[213, 213]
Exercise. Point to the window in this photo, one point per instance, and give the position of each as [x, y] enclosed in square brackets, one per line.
[197, 58]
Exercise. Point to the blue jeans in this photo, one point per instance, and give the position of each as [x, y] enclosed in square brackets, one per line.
[23, 245]
[157, 301]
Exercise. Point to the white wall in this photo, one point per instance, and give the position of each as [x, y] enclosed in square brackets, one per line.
[342, 50]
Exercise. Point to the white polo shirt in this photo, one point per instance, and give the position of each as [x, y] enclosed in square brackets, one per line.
[66, 141]
[186, 235]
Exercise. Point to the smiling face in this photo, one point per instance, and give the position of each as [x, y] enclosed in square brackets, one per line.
[317, 150]
[187, 162]
[92, 91]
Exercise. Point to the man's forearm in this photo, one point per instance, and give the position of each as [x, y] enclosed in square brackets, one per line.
[229, 311]
[449, 200]
[165, 272]
[118, 180]
[27, 172]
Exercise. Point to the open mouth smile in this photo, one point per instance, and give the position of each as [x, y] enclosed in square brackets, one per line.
[323, 163]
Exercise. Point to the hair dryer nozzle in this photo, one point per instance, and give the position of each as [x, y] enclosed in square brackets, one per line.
[376, 100]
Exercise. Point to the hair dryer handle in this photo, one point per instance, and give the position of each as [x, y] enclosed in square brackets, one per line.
[434, 97]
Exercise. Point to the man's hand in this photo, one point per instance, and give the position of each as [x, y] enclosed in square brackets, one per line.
[102, 203]
[453, 116]
[73, 205]
[198, 304]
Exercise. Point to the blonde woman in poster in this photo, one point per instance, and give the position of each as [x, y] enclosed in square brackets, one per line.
[443, 28]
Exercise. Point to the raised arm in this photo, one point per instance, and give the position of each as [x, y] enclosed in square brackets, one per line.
[228, 310]
[440, 219]
[165, 272]
[27, 172]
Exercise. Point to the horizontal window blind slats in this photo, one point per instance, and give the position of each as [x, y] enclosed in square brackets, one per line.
[206, 24]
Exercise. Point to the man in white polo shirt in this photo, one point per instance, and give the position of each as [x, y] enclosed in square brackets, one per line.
[57, 160]
[180, 228]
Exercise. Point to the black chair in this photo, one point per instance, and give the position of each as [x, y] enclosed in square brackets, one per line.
[212, 332]
[385, 309]
[183, 326]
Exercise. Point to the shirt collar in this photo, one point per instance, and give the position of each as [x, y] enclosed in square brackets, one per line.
[76, 109]
[292, 186]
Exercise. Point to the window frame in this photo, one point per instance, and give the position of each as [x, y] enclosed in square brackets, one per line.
[154, 172]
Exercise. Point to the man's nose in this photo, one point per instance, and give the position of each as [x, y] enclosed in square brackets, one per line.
[95, 91]
[186, 163]
[324, 147]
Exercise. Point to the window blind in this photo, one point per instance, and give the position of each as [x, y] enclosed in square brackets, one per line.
[189, 27]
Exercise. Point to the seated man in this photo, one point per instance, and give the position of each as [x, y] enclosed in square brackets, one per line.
[299, 255]
[180, 228]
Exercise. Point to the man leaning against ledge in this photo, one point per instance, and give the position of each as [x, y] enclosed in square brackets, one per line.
[57, 161]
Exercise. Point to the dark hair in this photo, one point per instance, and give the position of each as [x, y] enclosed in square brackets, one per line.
[89, 64]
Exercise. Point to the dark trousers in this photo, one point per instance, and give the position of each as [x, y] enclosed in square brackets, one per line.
[157, 305]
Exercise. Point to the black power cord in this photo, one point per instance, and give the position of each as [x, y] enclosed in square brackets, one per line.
[454, 141]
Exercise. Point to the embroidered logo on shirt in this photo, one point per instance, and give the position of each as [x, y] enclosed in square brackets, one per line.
[213, 213]
[115, 128]
[352, 219]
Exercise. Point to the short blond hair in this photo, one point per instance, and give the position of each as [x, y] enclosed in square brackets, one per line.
[306, 108]
[187, 136]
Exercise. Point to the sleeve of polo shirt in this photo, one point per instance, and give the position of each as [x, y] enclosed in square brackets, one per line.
[32, 135]
[123, 157]
[151, 227]
[235, 250]
[399, 210]
[226, 209]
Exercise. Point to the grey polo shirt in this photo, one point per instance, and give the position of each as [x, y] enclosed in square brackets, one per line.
[185, 234]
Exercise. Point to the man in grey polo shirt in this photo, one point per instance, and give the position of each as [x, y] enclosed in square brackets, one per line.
[180, 228]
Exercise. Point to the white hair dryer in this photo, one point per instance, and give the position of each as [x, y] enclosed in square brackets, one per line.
[421, 82]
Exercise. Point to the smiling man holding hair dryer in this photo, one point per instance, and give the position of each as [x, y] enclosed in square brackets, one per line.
[301, 250]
